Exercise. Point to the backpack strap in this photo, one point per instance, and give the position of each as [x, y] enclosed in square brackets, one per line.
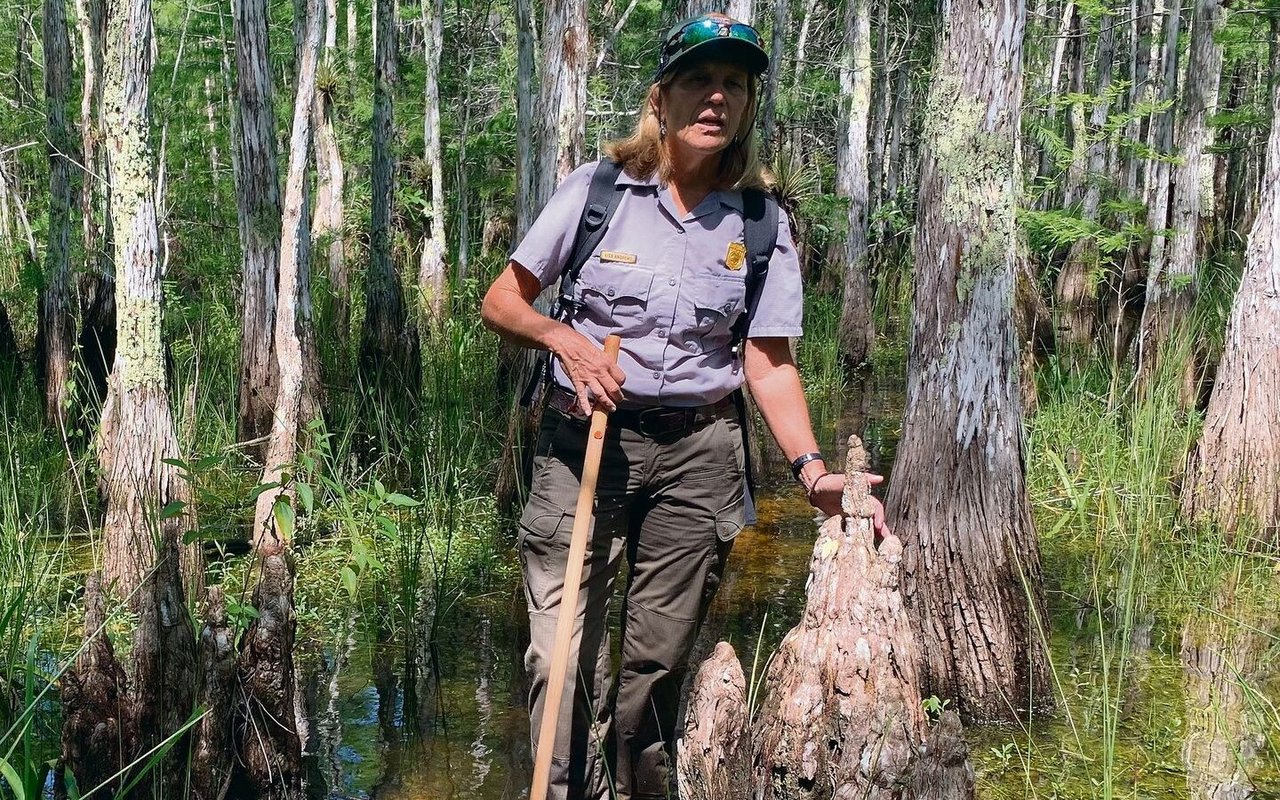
[603, 196]
[760, 236]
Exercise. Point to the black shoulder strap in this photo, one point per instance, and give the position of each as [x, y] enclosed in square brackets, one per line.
[603, 195]
[760, 236]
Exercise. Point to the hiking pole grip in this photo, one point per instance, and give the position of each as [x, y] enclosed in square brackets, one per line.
[562, 650]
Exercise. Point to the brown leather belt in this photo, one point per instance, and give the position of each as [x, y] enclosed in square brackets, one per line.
[655, 422]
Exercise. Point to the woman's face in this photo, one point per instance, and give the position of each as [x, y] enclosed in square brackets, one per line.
[703, 108]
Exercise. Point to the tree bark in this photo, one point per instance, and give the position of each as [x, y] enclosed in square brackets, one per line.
[54, 340]
[98, 730]
[841, 715]
[22, 84]
[389, 343]
[328, 221]
[562, 99]
[269, 749]
[296, 402]
[1234, 474]
[972, 567]
[145, 496]
[713, 758]
[1172, 290]
[258, 216]
[432, 272]
[1076, 290]
[857, 328]
[96, 286]
[769, 96]
[526, 155]
[213, 749]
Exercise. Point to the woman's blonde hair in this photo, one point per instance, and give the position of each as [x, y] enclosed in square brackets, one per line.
[645, 152]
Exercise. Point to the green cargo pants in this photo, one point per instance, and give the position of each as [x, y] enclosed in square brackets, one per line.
[671, 506]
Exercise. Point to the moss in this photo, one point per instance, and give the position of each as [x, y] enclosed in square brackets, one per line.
[977, 186]
[139, 344]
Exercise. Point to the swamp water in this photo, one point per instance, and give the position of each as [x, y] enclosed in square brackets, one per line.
[1164, 705]
[1188, 711]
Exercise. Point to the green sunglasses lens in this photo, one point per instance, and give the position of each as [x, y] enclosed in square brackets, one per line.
[705, 30]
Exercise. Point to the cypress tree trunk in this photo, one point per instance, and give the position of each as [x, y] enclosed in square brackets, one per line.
[389, 343]
[1171, 291]
[562, 100]
[327, 224]
[258, 215]
[97, 286]
[972, 568]
[857, 328]
[432, 283]
[1076, 290]
[145, 497]
[57, 323]
[769, 97]
[1234, 474]
[526, 166]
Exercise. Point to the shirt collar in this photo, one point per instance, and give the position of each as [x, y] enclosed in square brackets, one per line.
[731, 198]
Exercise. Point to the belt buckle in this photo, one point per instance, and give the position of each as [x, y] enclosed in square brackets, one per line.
[658, 422]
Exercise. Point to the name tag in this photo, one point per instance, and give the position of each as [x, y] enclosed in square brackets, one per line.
[616, 257]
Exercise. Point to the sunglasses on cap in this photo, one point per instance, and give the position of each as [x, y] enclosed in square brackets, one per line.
[739, 41]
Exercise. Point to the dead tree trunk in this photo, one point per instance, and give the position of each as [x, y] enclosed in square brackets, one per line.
[389, 343]
[713, 759]
[1234, 474]
[296, 403]
[327, 224]
[857, 328]
[258, 216]
[972, 576]
[56, 329]
[562, 99]
[432, 283]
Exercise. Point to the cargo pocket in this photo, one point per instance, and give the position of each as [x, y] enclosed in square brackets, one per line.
[731, 519]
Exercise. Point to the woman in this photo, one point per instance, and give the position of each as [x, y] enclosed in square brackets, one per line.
[667, 277]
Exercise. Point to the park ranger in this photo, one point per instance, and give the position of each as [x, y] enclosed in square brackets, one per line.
[670, 228]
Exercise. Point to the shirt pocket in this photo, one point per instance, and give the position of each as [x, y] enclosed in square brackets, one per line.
[614, 296]
[717, 302]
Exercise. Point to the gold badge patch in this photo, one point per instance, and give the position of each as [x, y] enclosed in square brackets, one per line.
[616, 257]
[736, 256]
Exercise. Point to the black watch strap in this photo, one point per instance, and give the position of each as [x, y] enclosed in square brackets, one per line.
[800, 461]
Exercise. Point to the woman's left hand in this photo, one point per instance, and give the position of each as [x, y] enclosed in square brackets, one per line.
[827, 492]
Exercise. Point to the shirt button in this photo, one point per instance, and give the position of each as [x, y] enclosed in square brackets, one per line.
[660, 332]
[727, 306]
[657, 375]
[671, 281]
[610, 293]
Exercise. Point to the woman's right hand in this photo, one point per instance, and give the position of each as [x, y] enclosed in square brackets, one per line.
[594, 376]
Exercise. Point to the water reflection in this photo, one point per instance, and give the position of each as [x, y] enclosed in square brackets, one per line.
[1222, 649]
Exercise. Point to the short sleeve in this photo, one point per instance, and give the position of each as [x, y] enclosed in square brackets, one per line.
[545, 248]
[780, 309]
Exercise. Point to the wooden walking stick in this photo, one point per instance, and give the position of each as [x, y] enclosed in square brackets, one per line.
[562, 649]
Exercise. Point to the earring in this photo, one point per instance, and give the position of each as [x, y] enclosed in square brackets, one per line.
[662, 129]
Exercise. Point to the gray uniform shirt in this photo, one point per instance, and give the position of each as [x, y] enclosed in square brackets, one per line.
[670, 285]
